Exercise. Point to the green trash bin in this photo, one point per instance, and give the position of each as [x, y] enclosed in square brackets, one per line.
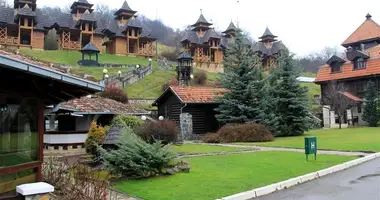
[311, 146]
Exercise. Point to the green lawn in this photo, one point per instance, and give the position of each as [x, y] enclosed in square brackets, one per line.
[199, 148]
[219, 176]
[351, 139]
[314, 89]
[97, 72]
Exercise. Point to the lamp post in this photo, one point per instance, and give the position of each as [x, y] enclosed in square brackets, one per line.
[143, 118]
[119, 73]
[105, 71]
[150, 61]
[161, 118]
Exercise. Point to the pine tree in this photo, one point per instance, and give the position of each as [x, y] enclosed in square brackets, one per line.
[285, 105]
[243, 81]
[371, 111]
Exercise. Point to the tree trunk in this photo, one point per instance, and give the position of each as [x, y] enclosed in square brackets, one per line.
[340, 121]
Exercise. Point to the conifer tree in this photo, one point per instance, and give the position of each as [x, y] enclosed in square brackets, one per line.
[285, 106]
[243, 81]
[371, 111]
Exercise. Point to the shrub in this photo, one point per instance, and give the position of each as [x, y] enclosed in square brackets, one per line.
[211, 138]
[200, 78]
[240, 133]
[172, 82]
[137, 158]
[170, 55]
[71, 180]
[126, 120]
[165, 131]
[113, 91]
[95, 136]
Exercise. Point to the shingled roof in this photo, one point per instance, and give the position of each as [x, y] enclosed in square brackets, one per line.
[267, 33]
[269, 50]
[100, 105]
[125, 8]
[369, 29]
[87, 16]
[194, 94]
[7, 15]
[231, 27]
[25, 11]
[202, 20]
[372, 68]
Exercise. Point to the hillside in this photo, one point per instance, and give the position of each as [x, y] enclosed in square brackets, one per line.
[71, 58]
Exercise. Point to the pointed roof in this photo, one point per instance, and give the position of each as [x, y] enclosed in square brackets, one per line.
[90, 48]
[26, 11]
[267, 33]
[231, 27]
[125, 8]
[184, 56]
[202, 20]
[81, 2]
[87, 16]
[369, 29]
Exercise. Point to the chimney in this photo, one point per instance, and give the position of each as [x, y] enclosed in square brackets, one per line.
[362, 47]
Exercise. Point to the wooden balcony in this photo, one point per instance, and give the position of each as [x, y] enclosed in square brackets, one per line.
[71, 45]
[146, 52]
[8, 40]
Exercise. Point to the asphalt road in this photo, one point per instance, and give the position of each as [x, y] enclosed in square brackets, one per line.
[358, 183]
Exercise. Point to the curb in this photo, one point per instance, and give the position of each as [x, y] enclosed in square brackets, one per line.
[258, 192]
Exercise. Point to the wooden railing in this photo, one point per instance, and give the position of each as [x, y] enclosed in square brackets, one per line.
[146, 52]
[9, 40]
[75, 45]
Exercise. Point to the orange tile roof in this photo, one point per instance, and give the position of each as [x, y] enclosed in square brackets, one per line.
[197, 94]
[367, 30]
[351, 96]
[372, 68]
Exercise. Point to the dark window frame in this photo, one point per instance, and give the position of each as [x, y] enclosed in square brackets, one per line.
[359, 64]
[336, 67]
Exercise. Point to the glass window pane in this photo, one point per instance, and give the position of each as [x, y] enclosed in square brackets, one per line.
[9, 182]
[18, 131]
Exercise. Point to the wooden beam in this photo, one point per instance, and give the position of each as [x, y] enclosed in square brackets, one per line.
[17, 168]
[70, 95]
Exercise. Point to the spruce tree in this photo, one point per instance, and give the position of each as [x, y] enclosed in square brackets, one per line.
[286, 105]
[371, 113]
[243, 81]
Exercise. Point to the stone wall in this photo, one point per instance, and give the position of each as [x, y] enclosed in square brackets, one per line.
[141, 101]
[130, 77]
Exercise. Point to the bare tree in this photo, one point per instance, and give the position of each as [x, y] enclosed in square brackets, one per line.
[334, 96]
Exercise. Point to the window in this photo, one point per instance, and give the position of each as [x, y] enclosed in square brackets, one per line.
[336, 67]
[359, 64]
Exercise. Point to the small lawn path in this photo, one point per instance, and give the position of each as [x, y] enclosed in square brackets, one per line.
[214, 177]
[349, 139]
[191, 149]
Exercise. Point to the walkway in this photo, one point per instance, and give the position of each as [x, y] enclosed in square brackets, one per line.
[261, 148]
[360, 182]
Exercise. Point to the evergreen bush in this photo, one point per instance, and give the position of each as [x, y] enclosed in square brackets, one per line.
[95, 137]
[137, 158]
[200, 78]
[126, 120]
[371, 110]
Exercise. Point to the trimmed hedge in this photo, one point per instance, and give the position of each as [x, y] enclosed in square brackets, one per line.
[240, 133]
[165, 131]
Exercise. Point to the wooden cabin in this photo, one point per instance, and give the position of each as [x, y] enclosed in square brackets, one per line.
[26, 88]
[268, 48]
[197, 101]
[22, 26]
[128, 36]
[362, 64]
[206, 46]
[25, 26]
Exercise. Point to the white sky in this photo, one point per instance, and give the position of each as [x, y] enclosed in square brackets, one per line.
[304, 26]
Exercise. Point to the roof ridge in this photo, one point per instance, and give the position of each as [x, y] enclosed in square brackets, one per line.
[354, 32]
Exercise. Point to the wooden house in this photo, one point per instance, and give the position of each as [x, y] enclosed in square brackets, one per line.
[362, 64]
[23, 26]
[128, 36]
[197, 101]
[206, 46]
[268, 48]
[68, 123]
[26, 88]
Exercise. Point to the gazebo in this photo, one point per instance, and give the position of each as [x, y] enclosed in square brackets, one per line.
[90, 49]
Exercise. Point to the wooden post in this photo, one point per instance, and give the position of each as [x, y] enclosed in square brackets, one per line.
[41, 130]
[31, 35]
[19, 32]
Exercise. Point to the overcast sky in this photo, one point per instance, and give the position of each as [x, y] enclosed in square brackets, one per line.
[303, 25]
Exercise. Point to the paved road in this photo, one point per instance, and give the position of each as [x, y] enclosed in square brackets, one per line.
[358, 183]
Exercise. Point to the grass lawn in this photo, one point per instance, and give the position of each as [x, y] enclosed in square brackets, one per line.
[97, 72]
[199, 148]
[314, 89]
[219, 176]
[352, 139]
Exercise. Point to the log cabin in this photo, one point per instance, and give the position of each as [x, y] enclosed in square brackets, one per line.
[360, 64]
[27, 88]
[25, 26]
